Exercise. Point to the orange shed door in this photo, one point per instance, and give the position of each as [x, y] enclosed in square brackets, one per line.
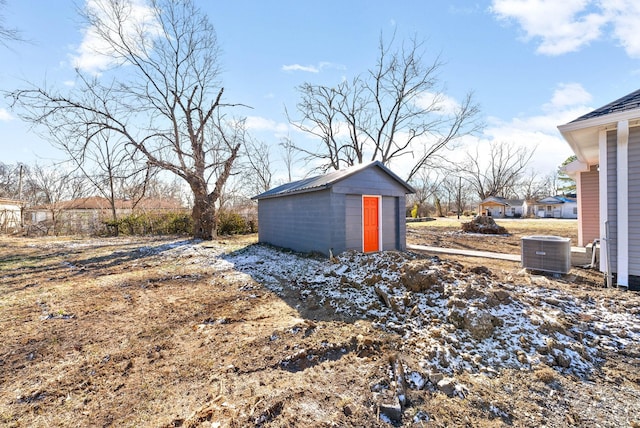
[370, 228]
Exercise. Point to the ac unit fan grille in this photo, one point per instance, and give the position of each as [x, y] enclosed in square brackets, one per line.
[546, 253]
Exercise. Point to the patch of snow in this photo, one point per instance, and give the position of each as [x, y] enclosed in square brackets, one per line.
[535, 324]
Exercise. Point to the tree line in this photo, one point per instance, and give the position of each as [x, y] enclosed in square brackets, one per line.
[160, 107]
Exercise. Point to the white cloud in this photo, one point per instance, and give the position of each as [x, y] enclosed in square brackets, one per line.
[625, 15]
[5, 116]
[312, 68]
[95, 55]
[569, 25]
[566, 95]
[257, 123]
[568, 102]
[298, 67]
[438, 102]
[563, 26]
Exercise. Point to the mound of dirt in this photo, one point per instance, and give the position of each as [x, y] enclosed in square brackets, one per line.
[483, 224]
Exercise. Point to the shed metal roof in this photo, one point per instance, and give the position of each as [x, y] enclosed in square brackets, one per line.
[325, 181]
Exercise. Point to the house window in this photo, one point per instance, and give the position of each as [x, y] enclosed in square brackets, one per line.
[513, 211]
[575, 210]
[549, 208]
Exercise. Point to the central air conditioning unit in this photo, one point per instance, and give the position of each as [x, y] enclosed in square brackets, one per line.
[546, 253]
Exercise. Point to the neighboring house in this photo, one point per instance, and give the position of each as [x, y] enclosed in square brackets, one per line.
[496, 206]
[360, 208]
[10, 215]
[89, 214]
[557, 207]
[606, 142]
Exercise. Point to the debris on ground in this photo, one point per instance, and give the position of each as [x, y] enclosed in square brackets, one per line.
[485, 225]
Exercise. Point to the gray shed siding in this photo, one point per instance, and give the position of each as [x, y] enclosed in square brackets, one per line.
[371, 181]
[299, 222]
[634, 201]
[612, 197]
[389, 225]
[353, 222]
[331, 218]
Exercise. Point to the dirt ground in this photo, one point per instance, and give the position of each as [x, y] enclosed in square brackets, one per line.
[169, 332]
[447, 233]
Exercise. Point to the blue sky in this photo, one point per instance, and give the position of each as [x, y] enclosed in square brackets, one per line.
[533, 64]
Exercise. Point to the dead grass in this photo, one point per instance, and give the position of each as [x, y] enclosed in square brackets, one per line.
[101, 333]
[546, 374]
[447, 233]
[524, 226]
[107, 333]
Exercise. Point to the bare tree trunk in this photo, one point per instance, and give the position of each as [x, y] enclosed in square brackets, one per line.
[438, 207]
[204, 217]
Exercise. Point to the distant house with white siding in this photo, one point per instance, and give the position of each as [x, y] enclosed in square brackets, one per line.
[496, 206]
[10, 215]
[556, 207]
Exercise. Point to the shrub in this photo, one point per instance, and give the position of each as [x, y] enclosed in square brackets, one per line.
[176, 223]
[230, 223]
[166, 223]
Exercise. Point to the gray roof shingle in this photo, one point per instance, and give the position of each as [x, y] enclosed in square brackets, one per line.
[628, 102]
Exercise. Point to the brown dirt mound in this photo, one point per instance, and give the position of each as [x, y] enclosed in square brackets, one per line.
[483, 224]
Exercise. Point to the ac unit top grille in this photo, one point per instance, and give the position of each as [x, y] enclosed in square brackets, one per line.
[546, 253]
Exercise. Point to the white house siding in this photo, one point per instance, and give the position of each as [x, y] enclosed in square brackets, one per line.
[612, 198]
[634, 201]
[9, 216]
[569, 210]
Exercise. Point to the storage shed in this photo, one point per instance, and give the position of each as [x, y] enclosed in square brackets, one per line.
[360, 208]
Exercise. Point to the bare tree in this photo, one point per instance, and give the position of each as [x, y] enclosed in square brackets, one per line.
[9, 180]
[395, 109]
[52, 186]
[157, 187]
[458, 191]
[550, 184]
[104, 160]
[426, 185]
[288, 151]
[7, 34]
[166, 104]
[498, 171]
[531, 186]
[258, 166]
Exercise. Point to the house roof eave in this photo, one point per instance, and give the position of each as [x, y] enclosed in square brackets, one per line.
[582, 135]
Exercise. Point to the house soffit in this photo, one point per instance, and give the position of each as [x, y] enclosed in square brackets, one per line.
[583, 135]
